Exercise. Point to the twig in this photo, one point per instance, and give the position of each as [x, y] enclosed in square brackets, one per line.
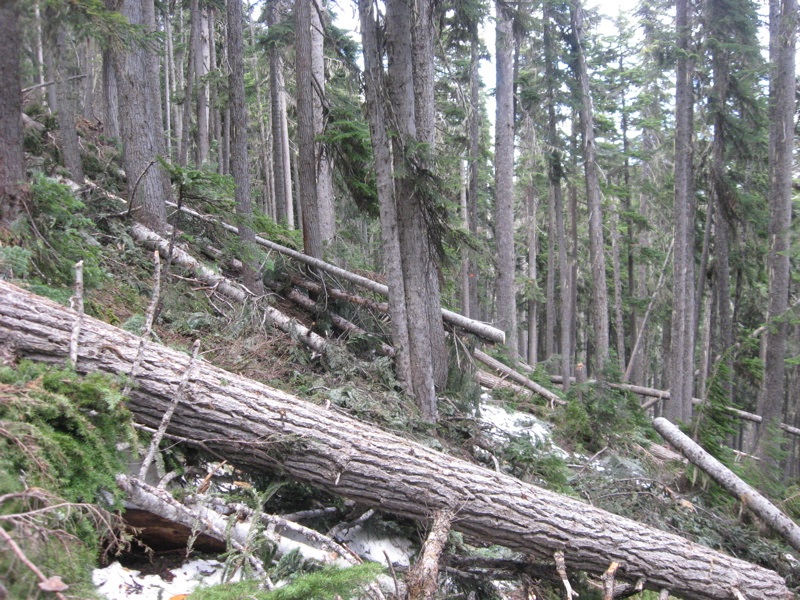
[26, 561]
[148, 324]
[561, 567]
[162, 428]
[136, 186]
[78, 307]
[393, 572]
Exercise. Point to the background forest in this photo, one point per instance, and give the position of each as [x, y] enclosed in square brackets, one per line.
[617, 234]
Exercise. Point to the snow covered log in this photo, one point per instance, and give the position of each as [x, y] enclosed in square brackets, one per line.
[263, 429]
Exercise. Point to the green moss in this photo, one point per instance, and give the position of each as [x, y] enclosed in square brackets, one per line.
[58, 436]
[327, 583]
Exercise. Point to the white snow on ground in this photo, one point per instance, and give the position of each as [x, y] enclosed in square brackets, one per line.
[513, 423]
[372, 548]
[115, 582]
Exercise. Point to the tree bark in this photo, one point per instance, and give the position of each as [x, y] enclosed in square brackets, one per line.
[382, 152]
[64, 69]
[140, 122]
[681, 351]
[306, 134]
[599, 300]
[262, 429]
[12, 155]
[418, 258]
[505, 261]
[281, 162]
[423, 578]
[240, 162]
[783, 37]
[326, 208]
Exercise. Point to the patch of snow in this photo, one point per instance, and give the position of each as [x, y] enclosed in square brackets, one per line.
[372, 548]
[514, 423]
[115, 582]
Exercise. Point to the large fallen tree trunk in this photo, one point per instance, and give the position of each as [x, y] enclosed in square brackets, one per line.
[261, 428]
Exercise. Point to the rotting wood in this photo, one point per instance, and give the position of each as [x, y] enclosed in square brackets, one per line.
[749, 497]
[262, 429]
[422, 579]
[495, 364]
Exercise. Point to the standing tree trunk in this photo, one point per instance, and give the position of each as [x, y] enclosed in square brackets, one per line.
[681, 354]
[201, 53]
[12, 155]
[782, 41]
[506, 289]
[422, 38]
[281, 162]
[474, 165]
[417, 254]
[307, 156]
[140, 122]
[325, 197]
[239, 159]
[599, 300]
[66, 88]
[382, 151]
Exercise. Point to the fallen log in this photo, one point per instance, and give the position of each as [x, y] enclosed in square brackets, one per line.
[483, 330]
[263, 429]
[518, 378]
[750, 498]
[657, 394]
[226, 287]
[338, 321]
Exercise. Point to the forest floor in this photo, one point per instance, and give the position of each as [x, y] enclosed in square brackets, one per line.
[595, 448]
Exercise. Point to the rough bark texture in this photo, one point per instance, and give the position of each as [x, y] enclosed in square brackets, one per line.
[280, 129]
[326, 207]
[506, 289]
[382, 151]
[783, 33]
[681, 351]
[306, 152]
[12, 157]
[260, 428]
[64, 69]
[417, 254]
[599, 301]
[140, 122]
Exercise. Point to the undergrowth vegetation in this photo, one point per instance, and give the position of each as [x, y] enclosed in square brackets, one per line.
[58, 458]
[59, 431]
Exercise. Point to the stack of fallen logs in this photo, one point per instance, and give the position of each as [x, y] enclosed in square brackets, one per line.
[262, 429]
